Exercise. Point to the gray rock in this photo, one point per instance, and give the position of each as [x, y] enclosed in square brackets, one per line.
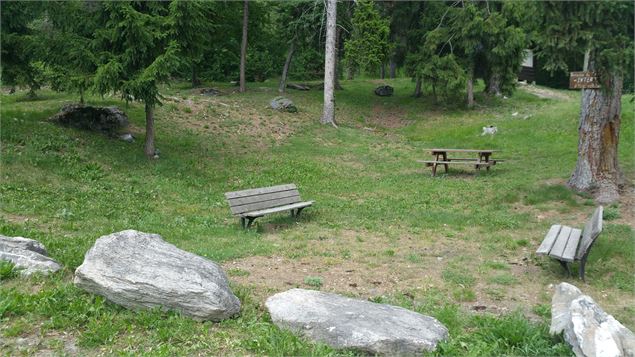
[564, 294]
[343, 322]
[22, 243]
[29, 256]
[589, 330]
[384, 91]
[210, 92]
[139, 270]
[283, 104]
[109, 120]
[127, 137]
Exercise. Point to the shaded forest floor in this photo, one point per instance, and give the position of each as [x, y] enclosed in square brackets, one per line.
[459, 246]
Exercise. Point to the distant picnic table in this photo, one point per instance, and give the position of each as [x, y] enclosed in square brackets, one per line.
[481, 159]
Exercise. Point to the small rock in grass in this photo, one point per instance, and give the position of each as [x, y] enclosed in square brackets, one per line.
[283, 104]
[384, 91]
[28, 255]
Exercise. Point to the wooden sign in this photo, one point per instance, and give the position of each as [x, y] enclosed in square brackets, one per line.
[582, 80]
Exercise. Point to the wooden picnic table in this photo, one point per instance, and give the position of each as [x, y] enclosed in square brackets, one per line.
[482, 159]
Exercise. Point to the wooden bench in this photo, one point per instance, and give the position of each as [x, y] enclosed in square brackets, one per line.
[567, 244]
[251, 204]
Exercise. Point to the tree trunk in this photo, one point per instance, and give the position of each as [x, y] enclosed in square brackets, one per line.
[382, 71]
[149, 144]
[328, 117]
[470, 89]
[338, 42]
[243, 46]
[393, 69]
[418, 87]
[81, 94]
[597, 168]
[195, 80]
[285, 70]
[350, 73]
[494, 85]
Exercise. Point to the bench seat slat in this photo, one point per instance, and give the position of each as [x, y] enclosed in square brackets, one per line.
[560, 243]
[256, 206]
[259, 191]
[263, 197]
[263, 212]
[550, 238]
[568, 254]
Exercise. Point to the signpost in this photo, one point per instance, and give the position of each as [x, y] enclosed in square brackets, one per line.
[583, 80]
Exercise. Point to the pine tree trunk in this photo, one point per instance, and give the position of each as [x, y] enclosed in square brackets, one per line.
[393, 69]
[195, 80]
[350, 73]
[494, 85]
[149, 144]
[285, 69]
[382, 71]
[597, 169]
[243, 46]
[470, 90]
[81, 94]
[328, 117]
[418, 88]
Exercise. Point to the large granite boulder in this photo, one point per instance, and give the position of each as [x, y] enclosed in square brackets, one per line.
[140, 270]
[587, 328]
[283, 104]
[109, 120]
[343, 322]
[28, 256]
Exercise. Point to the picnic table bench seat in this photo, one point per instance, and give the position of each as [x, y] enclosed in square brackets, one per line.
[567, 244]
[253, 203]
[482, 159]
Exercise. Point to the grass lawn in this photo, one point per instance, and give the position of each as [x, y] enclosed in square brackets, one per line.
[459, 247]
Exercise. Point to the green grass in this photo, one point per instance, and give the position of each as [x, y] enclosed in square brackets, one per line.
[376, 208]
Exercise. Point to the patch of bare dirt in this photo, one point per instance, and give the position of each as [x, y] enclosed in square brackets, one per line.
[230, 120]
[390, 118]
[39, 343]
[627, 207]
[544, 92]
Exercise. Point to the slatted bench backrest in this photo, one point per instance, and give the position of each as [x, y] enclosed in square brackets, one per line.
[262, 198]
[592, 230]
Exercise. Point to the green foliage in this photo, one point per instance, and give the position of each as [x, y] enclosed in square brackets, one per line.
[21, 47]
[7, 270]
[368, 46]
[563, 29]
[314, 281]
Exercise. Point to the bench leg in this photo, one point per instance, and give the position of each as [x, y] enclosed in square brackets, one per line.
[297, 211]
[565, 265]
[243, 223]
[434, 170]
[246, 222]
[582, 264]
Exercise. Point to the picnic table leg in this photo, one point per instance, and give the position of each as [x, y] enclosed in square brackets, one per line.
[487, 160]
[434, 170]
[445, 158]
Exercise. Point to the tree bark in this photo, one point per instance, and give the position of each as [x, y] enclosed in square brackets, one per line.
[328, 116]
[418, 87]
[382, 71]
[338, 42]
[393, 69]
[494, 85]
[597, 169]
[470, 89]
[243, 46]
[195, 80]
[149, 144]
[285, 69]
